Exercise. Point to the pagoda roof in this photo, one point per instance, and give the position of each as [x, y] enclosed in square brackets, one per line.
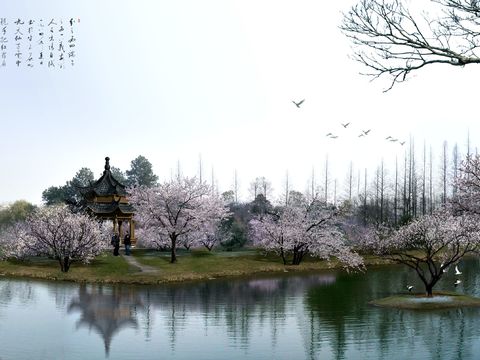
[109, 208]
[106, 185]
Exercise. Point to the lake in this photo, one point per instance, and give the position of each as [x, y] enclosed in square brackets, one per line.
[297, 316]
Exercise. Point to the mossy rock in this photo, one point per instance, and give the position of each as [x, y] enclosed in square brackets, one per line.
[439, 300]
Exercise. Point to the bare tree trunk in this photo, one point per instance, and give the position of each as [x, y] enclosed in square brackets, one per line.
[213, 182]
[350, 178]
[326, 178]
[335, 193]
[431, 180]
[405, 206]
[313, 182]
[395, 198]
[424, 200]
[455, 170]
[382, 178]
[173, 258]
[358, 185]
[286, 189]
[235, 187]
[200, 168]
[444, 173]
[365, 200]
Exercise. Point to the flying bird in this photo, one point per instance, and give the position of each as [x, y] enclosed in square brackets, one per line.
[345, 125]
[299, 103]
[402, 143]
[393, 140]
[456, 283]
[333, 137]
[457, 272]
[388, 137]
[361, 135]
[366, 132]
[329, 134]
[409, 288]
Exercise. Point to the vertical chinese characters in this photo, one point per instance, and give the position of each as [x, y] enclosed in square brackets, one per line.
[3, 40]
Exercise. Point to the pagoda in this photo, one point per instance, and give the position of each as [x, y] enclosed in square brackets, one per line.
[106, 199]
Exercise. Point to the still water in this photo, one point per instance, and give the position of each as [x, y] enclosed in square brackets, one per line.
[314, 316]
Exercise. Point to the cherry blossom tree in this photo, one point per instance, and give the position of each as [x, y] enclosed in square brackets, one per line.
[308, 228]
[176, 208]
[57, 232]
[430, 244]
[152, 238]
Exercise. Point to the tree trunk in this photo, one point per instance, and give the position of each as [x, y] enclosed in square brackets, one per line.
[64, 264]
[429, 289]
[297, 257]
[173, 258]
[282, 254]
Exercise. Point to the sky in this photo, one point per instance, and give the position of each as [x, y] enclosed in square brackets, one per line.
[176, 80]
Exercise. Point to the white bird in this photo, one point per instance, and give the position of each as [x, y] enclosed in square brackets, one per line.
[456, 282]
[441, 265]
[299, 103]
[409, 288]
[457, 272]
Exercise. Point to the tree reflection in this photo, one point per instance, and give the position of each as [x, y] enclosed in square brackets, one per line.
[339, 317]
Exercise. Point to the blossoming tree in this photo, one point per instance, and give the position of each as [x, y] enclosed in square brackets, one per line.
[301, 229]
[176, 208]
[430, 244]
[57, 232]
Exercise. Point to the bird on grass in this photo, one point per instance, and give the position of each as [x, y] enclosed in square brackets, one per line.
[409, 288]
[345, 125]
[457, 272]
[299, 103]
[456, 283]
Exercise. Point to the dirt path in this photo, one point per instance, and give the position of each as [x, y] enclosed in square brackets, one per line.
[142, 268]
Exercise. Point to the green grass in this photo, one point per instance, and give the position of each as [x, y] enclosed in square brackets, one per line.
[191, 265]
[411, 301]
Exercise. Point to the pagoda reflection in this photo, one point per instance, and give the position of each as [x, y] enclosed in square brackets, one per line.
[106, 310]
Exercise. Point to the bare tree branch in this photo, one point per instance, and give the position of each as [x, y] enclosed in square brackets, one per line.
[389, 40]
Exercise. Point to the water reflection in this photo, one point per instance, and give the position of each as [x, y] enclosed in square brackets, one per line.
[339, 317]
[315, 316]
[106, 310]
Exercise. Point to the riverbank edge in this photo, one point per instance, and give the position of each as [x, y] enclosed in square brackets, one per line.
[403, 301]
[138, 278]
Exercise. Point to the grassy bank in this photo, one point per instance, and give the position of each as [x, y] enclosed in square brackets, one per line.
[194, 265]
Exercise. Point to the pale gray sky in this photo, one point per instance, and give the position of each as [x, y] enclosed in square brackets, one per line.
[172, 79]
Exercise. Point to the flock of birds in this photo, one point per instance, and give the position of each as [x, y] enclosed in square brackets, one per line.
[456, 283]
[363, 133]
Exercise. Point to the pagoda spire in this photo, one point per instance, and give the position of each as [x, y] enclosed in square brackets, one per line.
[107, 164]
